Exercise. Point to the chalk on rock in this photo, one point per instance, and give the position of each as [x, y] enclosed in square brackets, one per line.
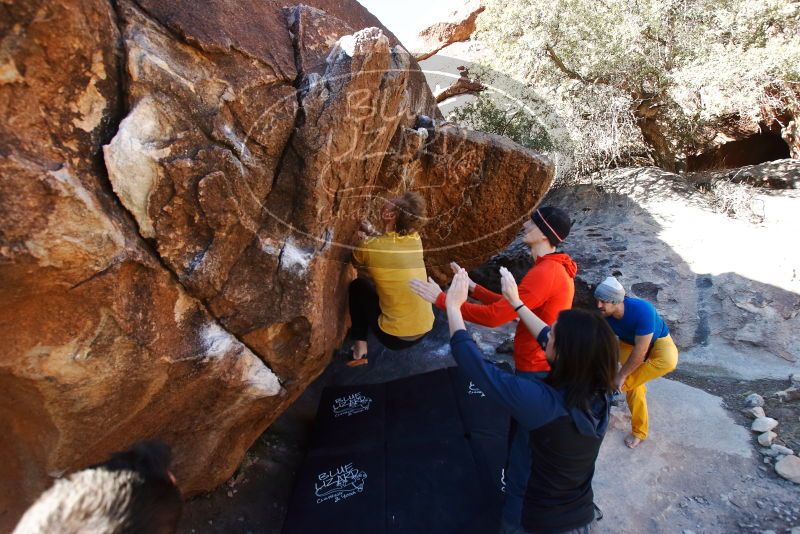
[780, 449]
[765, 439]
[754, 399]
[763, 424]
[789, 468]
[755, 412]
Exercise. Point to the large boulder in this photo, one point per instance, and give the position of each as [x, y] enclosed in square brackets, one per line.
[180, 185]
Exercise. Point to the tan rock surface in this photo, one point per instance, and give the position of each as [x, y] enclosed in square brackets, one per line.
[176, 218]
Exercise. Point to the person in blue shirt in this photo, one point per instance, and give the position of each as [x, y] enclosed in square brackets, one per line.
[646, 349]
[549, 485]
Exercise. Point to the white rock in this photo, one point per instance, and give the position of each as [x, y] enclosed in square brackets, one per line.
[755, 412]
[765, 439]
[795, 380]
[789, 468]
[780, 449]
[754, 399]
[763, 424]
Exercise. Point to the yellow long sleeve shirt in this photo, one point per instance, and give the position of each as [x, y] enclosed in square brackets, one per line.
[392, 260]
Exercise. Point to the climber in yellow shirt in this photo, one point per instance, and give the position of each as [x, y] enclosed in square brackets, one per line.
[382, 301]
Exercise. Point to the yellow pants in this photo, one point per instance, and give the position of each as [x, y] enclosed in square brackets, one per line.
[662, 358]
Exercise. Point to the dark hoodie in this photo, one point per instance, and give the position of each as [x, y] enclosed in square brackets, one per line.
[549, 474]
[547, 289]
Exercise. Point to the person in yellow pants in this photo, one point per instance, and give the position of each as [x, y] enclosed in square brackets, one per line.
[646, 350]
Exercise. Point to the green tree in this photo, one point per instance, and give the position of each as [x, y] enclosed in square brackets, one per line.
[646, 78]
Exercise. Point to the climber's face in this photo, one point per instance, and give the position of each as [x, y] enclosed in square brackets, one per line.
[531, 235]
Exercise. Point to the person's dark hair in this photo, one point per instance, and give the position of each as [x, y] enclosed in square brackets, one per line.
[411, 212]
[131, 493]
[587, 352]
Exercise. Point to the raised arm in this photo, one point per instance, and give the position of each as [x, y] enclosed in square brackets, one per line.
[530, 402]
[511, 294]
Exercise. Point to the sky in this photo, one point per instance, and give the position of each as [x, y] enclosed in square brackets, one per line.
[405, 19]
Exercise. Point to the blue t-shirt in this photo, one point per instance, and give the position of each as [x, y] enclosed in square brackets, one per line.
[640, 318]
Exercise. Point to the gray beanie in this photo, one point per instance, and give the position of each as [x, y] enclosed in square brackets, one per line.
[610, 290]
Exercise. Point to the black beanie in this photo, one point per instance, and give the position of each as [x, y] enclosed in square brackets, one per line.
[553, 222]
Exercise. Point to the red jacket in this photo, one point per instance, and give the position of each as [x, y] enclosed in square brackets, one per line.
[546, 289]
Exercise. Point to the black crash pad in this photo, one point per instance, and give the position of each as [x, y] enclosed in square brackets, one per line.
[481, 415]
[350, 416]
[421, 454]
[344, 492]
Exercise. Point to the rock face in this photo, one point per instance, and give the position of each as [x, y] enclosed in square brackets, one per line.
[177, 217]
[458, 26]
[731, 310]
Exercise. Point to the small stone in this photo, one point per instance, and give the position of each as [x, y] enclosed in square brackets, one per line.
[789, 468]
[766, 439]
[763, 424]
[790, 394]
[754, 399]
[767, 460]
[767, 532]
[687, 531]
[755, 412]
[230, 494]
[795, 379]
[780, 449]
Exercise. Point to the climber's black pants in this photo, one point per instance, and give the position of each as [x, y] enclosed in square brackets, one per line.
[364, 312]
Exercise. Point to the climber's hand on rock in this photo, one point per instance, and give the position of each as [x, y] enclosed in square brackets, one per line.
[367, 228]
[456, 267]
[459, 289]
[429, 290]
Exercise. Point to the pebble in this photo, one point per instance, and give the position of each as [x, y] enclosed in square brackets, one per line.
[767, 532]
[767, 451]
[754, 399]
[755, 412]
[780, 449]
[789, 468]
[765, 439]
[687, 531]
[764, 424]
[767, 460]
[795, 380]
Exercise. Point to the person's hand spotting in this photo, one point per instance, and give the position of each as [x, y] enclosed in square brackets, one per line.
[456, 267]
[509, 287]
[458, 291]
[429, 290]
